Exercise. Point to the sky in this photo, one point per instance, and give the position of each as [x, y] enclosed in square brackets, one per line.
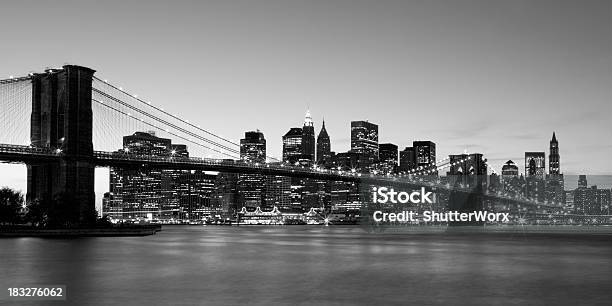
[495, 77]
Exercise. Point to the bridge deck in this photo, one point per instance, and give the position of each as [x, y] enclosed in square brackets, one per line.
[29, 154]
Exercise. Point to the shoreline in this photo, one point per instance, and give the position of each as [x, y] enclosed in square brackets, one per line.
[132, 231]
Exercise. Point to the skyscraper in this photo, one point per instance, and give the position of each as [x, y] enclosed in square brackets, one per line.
[323, 146]
[364, 141]
[387, 156]
[407, 159]
[554, 180]
[278, 191]
[535, 164]
[592, 201]
[535, 168]
[156, 193]
[308, 139]
[292, 146]
[146, 143]
[425, 155]
[582, 181]
[388, 153]
[251, 186]
[554, 162]
[137, 193]
[253, 147]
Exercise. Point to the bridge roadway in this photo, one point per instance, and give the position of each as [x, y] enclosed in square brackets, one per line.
[28, 154]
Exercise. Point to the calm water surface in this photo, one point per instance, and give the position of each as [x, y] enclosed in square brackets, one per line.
[192, 265]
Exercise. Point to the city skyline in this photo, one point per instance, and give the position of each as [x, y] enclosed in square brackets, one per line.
[271, 193]
[281, 152]
[520, 71]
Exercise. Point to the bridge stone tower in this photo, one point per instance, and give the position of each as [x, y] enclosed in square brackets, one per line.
[62, 121]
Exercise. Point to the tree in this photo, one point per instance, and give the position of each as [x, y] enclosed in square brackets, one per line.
[63, 211]
[37, 213]
[11, 202]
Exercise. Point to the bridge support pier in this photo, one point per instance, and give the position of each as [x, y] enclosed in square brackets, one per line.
[62, 121]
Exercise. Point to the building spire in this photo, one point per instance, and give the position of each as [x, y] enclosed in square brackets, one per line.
[554, 138]
[308, 119]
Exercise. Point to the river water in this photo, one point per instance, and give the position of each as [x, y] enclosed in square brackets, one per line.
[193, 265]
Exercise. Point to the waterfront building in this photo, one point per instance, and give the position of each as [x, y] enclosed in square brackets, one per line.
[155, 193]
[569, 201]
[278, 191]
[251, 186]
[226, 193]
[345, 196]
[592, 201]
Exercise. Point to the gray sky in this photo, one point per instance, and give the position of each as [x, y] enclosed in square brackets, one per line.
[495, 77]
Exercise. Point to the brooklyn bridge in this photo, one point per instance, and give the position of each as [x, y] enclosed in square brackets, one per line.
[63, 123]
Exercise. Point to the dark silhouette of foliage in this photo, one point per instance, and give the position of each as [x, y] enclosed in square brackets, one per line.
[11, 202]
[63, 211]
[37, 213]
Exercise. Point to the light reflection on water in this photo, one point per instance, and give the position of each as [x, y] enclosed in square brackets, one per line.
[314, 265]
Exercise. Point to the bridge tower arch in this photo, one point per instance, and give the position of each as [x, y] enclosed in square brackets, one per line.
[61, 120]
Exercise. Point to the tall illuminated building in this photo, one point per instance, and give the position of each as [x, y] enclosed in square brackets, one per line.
[142, 194]
[251, 186]
[387, 155]
[535, 164]
[554, 162]
[582, 181]
[535, 168]
[555, 192]
[308, 139]
[277, 191]
[156, 193]
[364, 141]
[253, 147]
[425, 156]
[407, 159]
[323, 146]
[147, 143]
[292, 153]
[292, 146]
